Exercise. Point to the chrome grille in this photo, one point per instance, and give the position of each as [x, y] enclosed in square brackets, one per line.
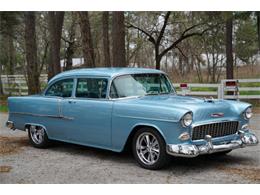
[215, 130]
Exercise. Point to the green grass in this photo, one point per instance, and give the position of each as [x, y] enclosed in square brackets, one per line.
[204, 89]
[3, 108]
[249, 84]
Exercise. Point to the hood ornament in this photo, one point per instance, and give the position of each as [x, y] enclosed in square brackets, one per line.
[217, 115]
[211, 99]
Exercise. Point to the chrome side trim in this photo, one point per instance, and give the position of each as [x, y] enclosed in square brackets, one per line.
[191, 150]
[43, 115]
[143, 118]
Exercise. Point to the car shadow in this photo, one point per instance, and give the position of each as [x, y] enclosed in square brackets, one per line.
[199, 163]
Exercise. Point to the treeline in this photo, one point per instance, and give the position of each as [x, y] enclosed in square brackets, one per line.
[32, 43]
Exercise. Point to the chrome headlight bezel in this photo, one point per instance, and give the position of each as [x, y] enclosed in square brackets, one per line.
[248, 113]
[187, 119]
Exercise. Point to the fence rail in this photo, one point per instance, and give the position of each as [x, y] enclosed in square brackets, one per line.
[17, 85]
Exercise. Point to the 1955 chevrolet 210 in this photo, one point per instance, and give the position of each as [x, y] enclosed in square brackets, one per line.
[111, 108]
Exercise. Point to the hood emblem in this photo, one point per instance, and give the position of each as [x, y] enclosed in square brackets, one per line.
[216, 115]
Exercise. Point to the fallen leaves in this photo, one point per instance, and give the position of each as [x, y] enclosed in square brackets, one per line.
[248, 173]
[9, 145]
[5, 169]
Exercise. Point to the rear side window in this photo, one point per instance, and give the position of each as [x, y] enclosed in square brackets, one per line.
[62, 88]
[91, 88]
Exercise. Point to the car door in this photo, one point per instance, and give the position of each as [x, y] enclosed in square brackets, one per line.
[89, 112]
[55, 94]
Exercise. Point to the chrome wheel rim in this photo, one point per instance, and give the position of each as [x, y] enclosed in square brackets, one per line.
[37, 134]
[147, 148]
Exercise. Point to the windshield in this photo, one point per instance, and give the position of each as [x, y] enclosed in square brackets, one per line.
[140, 85]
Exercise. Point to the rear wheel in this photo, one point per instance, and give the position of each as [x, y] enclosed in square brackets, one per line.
[149, 149]
[38, 137]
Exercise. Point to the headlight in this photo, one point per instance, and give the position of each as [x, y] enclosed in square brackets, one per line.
[248, 113]
[186, 120]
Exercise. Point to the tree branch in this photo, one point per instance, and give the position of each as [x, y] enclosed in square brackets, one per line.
[163, 28]
[183, 37]
[151, 39]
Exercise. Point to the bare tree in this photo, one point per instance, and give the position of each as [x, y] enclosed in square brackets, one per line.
[157, 40]
[118, 39]
[1, 85]
[33, 73]
[87, 43]
[258, 29]
[229, 49]
[70, 41]
[55, 23]
[106, 49]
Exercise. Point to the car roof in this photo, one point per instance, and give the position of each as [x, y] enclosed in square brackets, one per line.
[104, 72]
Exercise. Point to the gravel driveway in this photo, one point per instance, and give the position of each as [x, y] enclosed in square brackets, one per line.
[68, 163]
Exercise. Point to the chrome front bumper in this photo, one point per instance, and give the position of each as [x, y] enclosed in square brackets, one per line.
[191, 150]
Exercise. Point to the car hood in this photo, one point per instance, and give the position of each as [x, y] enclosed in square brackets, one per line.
[202, 109]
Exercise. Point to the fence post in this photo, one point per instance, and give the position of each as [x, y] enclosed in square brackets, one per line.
[20, 88]
[221, 90]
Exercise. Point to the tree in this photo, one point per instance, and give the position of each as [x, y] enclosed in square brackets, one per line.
[87, 44]
[157, 38]
[118, 39]
[69, 38]
[9, 20]
[229, 46]
[246, 41]
[258, 29]
[55, 23]
[106, 49]
[33, 73]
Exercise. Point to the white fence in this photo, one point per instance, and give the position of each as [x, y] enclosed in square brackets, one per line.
[17, 85]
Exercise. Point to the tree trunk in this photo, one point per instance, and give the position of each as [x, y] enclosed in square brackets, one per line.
[157, 58]
[106, 50]
[70, 43]
[87, 44]
[55, 23]
[31, 54]
[229, 50]
[11, 51]
[118, 39]
[1, 85]
[258, 29]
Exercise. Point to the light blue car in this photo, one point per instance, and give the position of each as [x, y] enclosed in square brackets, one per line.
[112, 108]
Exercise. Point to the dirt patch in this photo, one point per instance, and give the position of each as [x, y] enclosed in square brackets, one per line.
[9, 145]
[256, 110]
[5, 169]
[248, 173]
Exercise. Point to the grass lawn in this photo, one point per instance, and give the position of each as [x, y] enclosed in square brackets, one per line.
[3, 108]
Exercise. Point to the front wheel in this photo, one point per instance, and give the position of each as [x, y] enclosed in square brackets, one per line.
[38, 137]
[149, 149]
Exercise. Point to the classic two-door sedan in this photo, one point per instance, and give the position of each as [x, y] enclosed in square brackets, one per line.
[111, 108]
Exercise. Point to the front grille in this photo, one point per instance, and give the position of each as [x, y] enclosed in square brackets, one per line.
[215, 130]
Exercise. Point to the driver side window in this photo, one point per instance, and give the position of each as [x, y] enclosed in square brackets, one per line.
[61, 88]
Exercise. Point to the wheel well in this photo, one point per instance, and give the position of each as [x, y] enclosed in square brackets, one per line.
[26, 126]
[131, 135]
